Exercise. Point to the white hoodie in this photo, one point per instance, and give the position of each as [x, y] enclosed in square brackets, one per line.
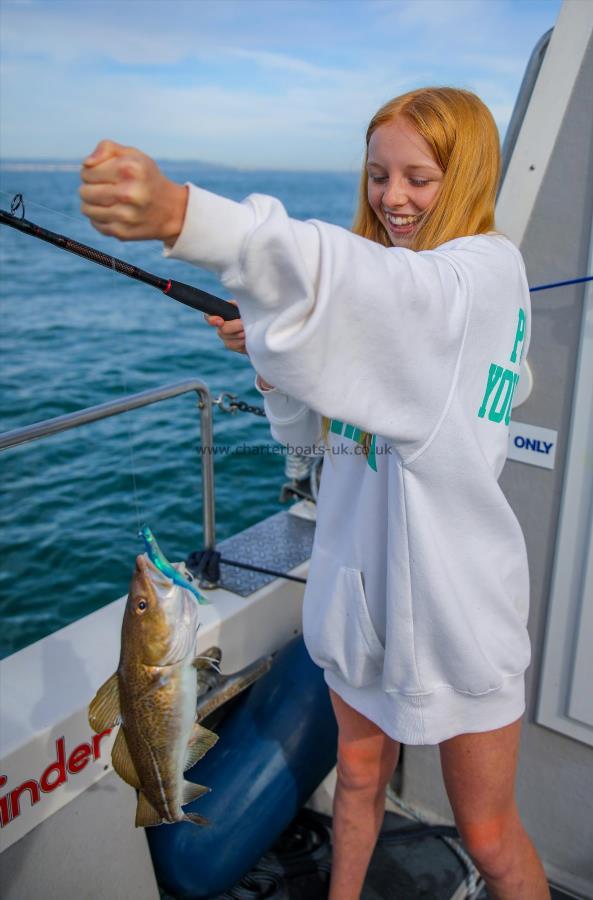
[418, 588]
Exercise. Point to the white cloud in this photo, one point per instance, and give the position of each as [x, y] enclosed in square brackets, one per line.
[430, 13]
[222, 86]
[78, 39]
[315, 125]
[280, 61]
[501, 65]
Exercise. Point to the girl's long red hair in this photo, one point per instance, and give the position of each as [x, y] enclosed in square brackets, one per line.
[463, 137]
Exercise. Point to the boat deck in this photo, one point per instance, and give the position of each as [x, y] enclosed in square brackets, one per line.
[419, 867]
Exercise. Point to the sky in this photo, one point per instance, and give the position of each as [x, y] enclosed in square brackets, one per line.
[281, 84]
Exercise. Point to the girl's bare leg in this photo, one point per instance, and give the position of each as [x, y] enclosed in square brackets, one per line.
[479, 774]
[366, 761]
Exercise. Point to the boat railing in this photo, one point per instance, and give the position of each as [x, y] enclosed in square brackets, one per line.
[124, 404]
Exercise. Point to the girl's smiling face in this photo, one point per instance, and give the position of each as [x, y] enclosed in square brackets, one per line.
[403, 178]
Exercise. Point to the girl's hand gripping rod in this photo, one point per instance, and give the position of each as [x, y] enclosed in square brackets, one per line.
[185, 293]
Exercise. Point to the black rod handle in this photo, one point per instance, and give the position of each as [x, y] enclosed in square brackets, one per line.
[197, 299]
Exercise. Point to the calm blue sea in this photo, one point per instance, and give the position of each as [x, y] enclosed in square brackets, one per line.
[74, 335]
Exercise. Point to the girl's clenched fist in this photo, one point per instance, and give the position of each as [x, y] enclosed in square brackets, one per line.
[125, 194]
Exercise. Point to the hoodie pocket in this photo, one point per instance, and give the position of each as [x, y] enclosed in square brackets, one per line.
[337, 628]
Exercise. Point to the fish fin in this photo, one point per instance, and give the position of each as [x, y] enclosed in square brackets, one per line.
[146, 814]
[196, 819]
[104, 710]
[192, 791]
[209, 656]
[201, 740]
[122, 761]
[230, 686]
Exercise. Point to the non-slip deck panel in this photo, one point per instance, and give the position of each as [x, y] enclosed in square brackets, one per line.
[279, 542]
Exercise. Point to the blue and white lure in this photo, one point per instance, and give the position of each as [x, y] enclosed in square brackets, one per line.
[158, 558]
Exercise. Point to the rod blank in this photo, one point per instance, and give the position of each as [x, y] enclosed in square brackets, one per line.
[177, 290]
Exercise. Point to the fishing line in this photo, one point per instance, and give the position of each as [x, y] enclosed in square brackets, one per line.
[17, 204]
[56, 212]
[128, 423]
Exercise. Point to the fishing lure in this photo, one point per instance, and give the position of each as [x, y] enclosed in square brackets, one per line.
[158, 558]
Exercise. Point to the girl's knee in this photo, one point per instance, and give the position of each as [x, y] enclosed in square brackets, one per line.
[490, 842]
[366, 765]
[367, 757]
[352, 773]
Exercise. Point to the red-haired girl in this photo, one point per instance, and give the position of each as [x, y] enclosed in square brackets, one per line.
[401, 341]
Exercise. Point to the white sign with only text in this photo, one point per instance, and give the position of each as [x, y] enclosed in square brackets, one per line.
[532, 444]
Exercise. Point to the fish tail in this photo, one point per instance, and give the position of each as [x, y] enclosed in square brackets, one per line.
[197, 819]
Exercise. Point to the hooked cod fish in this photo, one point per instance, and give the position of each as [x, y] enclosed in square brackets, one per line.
[153, 695]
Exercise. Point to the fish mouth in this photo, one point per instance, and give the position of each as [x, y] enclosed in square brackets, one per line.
[146, 569]
[176, 603]
[162, 632]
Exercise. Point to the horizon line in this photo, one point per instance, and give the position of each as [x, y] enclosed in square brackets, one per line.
[68, 164]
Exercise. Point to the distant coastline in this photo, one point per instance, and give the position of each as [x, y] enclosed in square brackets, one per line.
[73, 165]
[170, 165]
[33, 166]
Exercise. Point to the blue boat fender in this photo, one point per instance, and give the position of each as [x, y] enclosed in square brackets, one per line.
[274, 748]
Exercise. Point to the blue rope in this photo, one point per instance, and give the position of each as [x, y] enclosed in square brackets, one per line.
[545, 287]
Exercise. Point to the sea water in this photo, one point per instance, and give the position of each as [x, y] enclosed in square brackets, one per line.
[74, 335]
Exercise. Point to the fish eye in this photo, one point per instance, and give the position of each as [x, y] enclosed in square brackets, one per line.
[142, 605]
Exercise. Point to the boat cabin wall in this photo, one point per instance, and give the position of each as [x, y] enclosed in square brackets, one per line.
[555, 774]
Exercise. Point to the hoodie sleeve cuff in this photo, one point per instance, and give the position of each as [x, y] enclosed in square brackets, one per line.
[261, 389]
[213, 231]
[281, 408]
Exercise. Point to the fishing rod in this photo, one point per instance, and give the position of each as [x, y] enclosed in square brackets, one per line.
[177, 290]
